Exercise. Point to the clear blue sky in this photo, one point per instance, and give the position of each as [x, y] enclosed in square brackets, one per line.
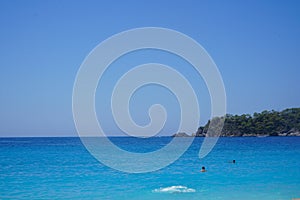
[255, 44]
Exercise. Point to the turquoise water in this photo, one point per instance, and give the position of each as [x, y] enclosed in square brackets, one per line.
[61, 168]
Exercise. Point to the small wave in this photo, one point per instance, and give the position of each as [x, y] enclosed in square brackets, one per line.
[175, 189]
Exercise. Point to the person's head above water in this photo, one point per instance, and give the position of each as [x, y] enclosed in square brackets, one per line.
[203, 169]
[233, 161]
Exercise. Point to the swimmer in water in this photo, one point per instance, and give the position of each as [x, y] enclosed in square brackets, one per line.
[203, 169]
[233, 161]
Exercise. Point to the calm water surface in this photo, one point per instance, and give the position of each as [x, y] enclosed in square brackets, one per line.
[61, 168]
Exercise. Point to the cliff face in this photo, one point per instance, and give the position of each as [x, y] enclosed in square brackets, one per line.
[266, 123]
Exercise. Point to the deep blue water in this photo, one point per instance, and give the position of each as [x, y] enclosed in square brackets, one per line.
[61, 168]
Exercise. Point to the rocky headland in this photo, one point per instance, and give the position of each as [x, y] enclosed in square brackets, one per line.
[266, 123]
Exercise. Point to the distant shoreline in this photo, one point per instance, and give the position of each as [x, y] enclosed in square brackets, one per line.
[171, 136]
[285, 123]
[264, 124]
[297, 134]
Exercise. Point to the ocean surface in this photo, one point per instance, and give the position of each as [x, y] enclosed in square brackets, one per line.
[61, 168]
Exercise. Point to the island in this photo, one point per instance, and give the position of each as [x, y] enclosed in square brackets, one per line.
[266, 123]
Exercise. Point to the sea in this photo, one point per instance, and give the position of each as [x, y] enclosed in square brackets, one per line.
[266, 168]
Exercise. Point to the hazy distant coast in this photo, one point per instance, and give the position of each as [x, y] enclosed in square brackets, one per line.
[266, 123]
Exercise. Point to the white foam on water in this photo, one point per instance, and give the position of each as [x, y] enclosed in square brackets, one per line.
[174, 189]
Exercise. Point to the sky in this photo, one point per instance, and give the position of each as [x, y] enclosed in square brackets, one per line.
[255, 45]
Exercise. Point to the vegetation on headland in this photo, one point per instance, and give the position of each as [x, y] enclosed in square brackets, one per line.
[266, 123]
